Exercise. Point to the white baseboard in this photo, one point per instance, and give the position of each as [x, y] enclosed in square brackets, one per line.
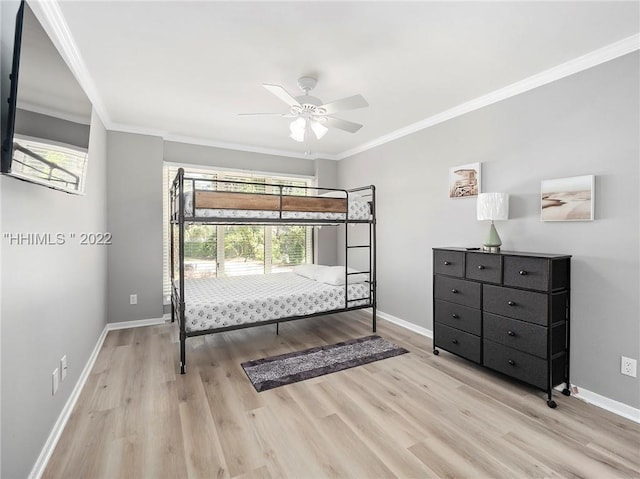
[138, 323]
[610, 405]
[585, 395]
[56, 432]
[405, 324]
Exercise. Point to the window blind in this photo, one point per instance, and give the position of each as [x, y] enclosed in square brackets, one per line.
[231, 250]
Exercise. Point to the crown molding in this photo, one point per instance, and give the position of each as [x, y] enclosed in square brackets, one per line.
[54, 23]
[137, 130]
[50, 15]
[167, 136]
[249, 148]
[584, 62]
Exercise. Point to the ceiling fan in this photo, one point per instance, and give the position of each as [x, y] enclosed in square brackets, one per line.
[311, 115]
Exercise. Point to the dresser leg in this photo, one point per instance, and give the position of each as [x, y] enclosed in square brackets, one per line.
[435, 351]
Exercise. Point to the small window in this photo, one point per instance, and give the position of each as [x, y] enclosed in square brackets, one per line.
[56, 165]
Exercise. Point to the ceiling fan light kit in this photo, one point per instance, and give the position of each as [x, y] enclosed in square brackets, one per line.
[319, 129]
[311, 115]
[300, 128]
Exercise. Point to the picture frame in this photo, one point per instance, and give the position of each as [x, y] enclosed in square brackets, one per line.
[465, 181]
[568, 199]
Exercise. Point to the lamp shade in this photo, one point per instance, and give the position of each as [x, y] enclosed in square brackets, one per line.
[298, 128]
[318, 129]
[301, 126]
[493, 206]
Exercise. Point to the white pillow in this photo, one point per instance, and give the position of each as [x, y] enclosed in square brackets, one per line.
[335, 275]
[308, 270]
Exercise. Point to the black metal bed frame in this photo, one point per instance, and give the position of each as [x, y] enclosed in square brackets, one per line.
[178, 220]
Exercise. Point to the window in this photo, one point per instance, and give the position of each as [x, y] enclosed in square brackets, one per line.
[232, 250]
[52, 164]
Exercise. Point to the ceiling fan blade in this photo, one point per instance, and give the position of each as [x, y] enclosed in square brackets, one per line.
[281, 93]
[345, 125]
[349, 103]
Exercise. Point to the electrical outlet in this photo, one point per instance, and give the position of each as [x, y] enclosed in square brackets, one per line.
[63, 367]
[54, 386]
[133, 299]
[628, 367]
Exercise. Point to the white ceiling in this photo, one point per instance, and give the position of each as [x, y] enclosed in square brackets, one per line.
[185, 70]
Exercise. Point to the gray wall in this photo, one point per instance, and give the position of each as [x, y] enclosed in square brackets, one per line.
[325, 239]
[134, 198]
[51, 128]
[53, 302]
[587, 123]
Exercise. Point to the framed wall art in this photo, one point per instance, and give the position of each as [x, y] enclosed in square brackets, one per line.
[568, 199]
[464, 181]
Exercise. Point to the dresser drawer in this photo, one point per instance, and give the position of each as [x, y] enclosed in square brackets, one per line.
[457, 342]
[523, 366]
[514, 303]
[523, 272]
[484, 267]
[459, 317]
[516, 334]
[517, 364]
[457, 291]
[450, 263]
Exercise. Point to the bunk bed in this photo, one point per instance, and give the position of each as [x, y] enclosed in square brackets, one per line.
[210, 305]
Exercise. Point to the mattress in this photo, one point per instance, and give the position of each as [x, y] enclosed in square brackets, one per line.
[359, 209]
[212, 303]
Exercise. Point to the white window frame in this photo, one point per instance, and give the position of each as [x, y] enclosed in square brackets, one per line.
[41, 147]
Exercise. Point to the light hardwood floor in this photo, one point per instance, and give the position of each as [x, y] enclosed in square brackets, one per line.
[415, 415]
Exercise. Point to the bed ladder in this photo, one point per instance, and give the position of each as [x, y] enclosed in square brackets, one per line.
[372, 268]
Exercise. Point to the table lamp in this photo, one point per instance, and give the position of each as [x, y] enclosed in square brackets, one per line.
[493, 207]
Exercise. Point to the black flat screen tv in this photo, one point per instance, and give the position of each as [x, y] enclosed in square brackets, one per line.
[9, 121]
[45, 135]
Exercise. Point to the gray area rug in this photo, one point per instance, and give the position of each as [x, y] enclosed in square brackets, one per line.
[275, 371]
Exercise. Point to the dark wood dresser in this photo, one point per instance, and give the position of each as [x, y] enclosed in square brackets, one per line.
[507, 311]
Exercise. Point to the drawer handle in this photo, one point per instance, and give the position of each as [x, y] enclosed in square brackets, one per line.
[523, 272]
[455, 316]
[454, 291]
[512, 362]
[511, 303]
[480, 266]
[454, 341]
[511, 333]
[446, 263]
